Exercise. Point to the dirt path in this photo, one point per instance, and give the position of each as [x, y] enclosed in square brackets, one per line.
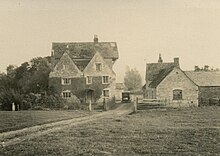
[15, 137]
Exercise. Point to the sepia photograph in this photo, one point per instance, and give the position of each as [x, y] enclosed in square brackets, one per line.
[109, 77]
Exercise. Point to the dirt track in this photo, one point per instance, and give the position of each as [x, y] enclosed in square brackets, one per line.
[15, 137]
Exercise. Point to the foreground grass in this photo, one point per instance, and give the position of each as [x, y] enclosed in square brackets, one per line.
[21, 119]
[189, 131]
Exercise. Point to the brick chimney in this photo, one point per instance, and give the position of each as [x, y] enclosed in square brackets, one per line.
[96, 39]
[160, 60]
[176, 62]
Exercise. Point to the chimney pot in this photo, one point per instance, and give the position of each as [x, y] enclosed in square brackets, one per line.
[160, 59]
[96, 39]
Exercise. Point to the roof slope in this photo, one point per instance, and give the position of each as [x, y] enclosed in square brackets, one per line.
[83, 50]
[154, 69]
[210, 78]
[160, 76]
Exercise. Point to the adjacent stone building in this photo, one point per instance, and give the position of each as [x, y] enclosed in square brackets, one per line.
[168, 83]
[83, 70]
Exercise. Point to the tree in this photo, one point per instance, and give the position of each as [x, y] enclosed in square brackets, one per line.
[205, 68]
[30, 77]
[132, 79]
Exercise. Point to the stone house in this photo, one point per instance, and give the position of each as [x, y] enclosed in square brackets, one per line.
[167, 82]
[83, 70]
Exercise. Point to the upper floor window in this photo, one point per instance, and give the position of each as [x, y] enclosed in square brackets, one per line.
[66, 94]
[177, 94]
[105, 79]
[89, 80]
[65, 66]
[98, 66]
[66, 81]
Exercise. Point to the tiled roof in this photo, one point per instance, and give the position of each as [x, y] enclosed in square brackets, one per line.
[81, 64]
[160, 76]
[208, 78]
[154, 69]
[86, 49]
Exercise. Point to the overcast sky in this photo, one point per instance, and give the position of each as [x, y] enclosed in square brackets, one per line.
[188, 29]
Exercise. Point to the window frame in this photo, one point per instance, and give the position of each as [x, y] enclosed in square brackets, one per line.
[177, 94]
[104, 80]
[67, 82]
[106, 95]
[66, 94]
[87, 79]
[98, 63]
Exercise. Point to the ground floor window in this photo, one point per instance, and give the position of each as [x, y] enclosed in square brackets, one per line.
[66, 94]
[106, 93]
[177, 94]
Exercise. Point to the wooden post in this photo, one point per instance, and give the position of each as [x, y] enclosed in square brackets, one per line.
[13, 106]
[135, 104]
[90, 105]
[105, 104]
[18, 107]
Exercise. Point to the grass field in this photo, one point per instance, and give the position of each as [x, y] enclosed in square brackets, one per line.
[185, 131]
[21, 119]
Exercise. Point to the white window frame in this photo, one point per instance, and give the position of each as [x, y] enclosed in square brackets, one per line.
[87, 79]
[106, 90]
[66, 81]
[100, 66]
[66, 94]
[103, 79]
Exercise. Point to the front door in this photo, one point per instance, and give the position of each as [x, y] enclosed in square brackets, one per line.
[90, 96]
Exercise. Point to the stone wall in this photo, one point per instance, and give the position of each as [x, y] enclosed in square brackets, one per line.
[208, 94]
[178, 80]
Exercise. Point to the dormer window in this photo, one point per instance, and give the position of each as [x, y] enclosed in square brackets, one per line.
[66, 81]
[98, 66]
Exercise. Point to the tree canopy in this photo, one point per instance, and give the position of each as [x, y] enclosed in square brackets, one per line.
[28, 78]
[205, 68]
[132, 79]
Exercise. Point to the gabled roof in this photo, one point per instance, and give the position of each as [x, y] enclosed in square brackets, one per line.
[160, 76]
[65, 68]
[83, 50]
[208, 78]
[91, 70]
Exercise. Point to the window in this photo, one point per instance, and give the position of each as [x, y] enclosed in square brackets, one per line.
[106, 93]
[66, 94]
[66, 81]
[65, 66]
[89, 80]
[98, 67]
[177, 94]
[105, 79]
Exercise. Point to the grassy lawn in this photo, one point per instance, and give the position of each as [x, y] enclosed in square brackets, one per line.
[21, 119]
[186, 131]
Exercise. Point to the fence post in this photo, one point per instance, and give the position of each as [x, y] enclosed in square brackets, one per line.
[105, 105]
[90, 105]
[135, 104]
[13, 106]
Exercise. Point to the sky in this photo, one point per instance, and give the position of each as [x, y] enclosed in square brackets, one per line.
[188, 29]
